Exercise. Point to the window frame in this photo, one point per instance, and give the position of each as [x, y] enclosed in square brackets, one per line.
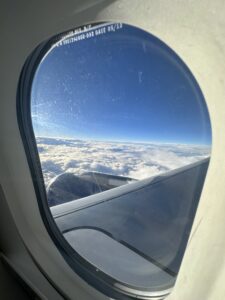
[96, 278]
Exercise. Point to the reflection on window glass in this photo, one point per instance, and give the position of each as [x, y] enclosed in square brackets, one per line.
[123, 135]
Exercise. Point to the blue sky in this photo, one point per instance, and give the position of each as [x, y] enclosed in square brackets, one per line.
[124, 86]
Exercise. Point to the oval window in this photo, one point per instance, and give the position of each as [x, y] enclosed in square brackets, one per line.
[123, 137]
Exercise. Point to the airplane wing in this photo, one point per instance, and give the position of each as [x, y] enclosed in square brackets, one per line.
[135, 233]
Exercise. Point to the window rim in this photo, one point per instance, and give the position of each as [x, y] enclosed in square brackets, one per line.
[97, 279]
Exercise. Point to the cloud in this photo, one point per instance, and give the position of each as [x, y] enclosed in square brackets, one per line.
[135, 160]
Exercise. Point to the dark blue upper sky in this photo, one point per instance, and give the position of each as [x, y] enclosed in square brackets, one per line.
[123, 86]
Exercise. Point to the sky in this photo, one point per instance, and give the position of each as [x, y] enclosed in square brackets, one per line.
[118, 83]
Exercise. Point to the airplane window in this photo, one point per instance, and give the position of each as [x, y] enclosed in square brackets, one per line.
[123, 139]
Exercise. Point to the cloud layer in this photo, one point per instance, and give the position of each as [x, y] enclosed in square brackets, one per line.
[135, 160]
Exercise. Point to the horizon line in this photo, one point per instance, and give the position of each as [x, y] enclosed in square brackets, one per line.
[127, 141]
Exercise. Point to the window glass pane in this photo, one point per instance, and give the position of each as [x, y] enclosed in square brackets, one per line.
[124, 137]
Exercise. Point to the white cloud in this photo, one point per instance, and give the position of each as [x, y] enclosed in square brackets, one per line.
[135, 160]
